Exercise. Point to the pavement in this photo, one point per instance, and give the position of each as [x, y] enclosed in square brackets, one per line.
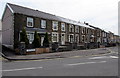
[98, 62]
[66, 54]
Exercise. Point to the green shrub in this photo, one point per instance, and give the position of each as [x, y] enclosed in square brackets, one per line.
[46, 40]
[36, 41]
[23, 37]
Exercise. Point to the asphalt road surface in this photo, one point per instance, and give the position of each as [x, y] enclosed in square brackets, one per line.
[99, 65]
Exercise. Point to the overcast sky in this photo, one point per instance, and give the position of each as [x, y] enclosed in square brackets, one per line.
[99, 13]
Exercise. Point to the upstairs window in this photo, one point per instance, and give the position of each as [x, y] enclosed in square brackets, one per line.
[43, 23]
[62, 26]
[87, 30]
[55, 25]
[29, 22]
[77, 29]
[71, 28]
[83, 30]
[98, 33]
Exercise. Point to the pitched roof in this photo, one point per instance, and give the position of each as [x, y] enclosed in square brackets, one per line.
[36, 13]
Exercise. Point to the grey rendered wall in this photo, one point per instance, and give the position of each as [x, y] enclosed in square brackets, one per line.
[7, 27]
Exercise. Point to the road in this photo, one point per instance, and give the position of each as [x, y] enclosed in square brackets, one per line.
[99, 65]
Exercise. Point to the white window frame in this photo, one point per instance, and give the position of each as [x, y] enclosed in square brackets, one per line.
[31, 36]
[73, 37]
[71, 26]
[55, 23]
[87, 30]
[97, 33]
[43, 23]
[83, 38]
[57, 36]
[62, 26]
[30, 19]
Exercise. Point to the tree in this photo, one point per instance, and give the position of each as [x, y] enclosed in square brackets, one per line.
[36, 41]
[23, 37]
[46, 40]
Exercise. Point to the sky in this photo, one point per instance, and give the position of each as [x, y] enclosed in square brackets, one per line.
[99, 13]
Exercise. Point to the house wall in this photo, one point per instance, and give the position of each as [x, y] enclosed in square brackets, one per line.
[80, 34]
[7, 27]
[21, 21]
[49, 28]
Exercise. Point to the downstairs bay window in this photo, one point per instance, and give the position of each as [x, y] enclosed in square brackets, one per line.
[54, 37]
[30, 36]
[71, 38]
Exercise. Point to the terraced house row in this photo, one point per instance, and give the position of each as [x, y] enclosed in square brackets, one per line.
[59, 29]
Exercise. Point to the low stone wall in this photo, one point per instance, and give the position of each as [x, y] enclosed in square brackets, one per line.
[42, 50]
[39, 51]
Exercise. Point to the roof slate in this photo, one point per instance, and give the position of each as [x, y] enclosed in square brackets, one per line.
[40, 14]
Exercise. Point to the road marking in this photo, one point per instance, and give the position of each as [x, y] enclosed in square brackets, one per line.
[115, 57]
[75, 57]
[22, 69]
[59, 58]
[100, 57]
[85, 63]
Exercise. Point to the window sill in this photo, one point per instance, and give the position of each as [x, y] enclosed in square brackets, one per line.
[55, 30]
[63, 30]
[30, 27]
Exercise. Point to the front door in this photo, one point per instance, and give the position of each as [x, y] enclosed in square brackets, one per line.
[62, 39]
[42, 39]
